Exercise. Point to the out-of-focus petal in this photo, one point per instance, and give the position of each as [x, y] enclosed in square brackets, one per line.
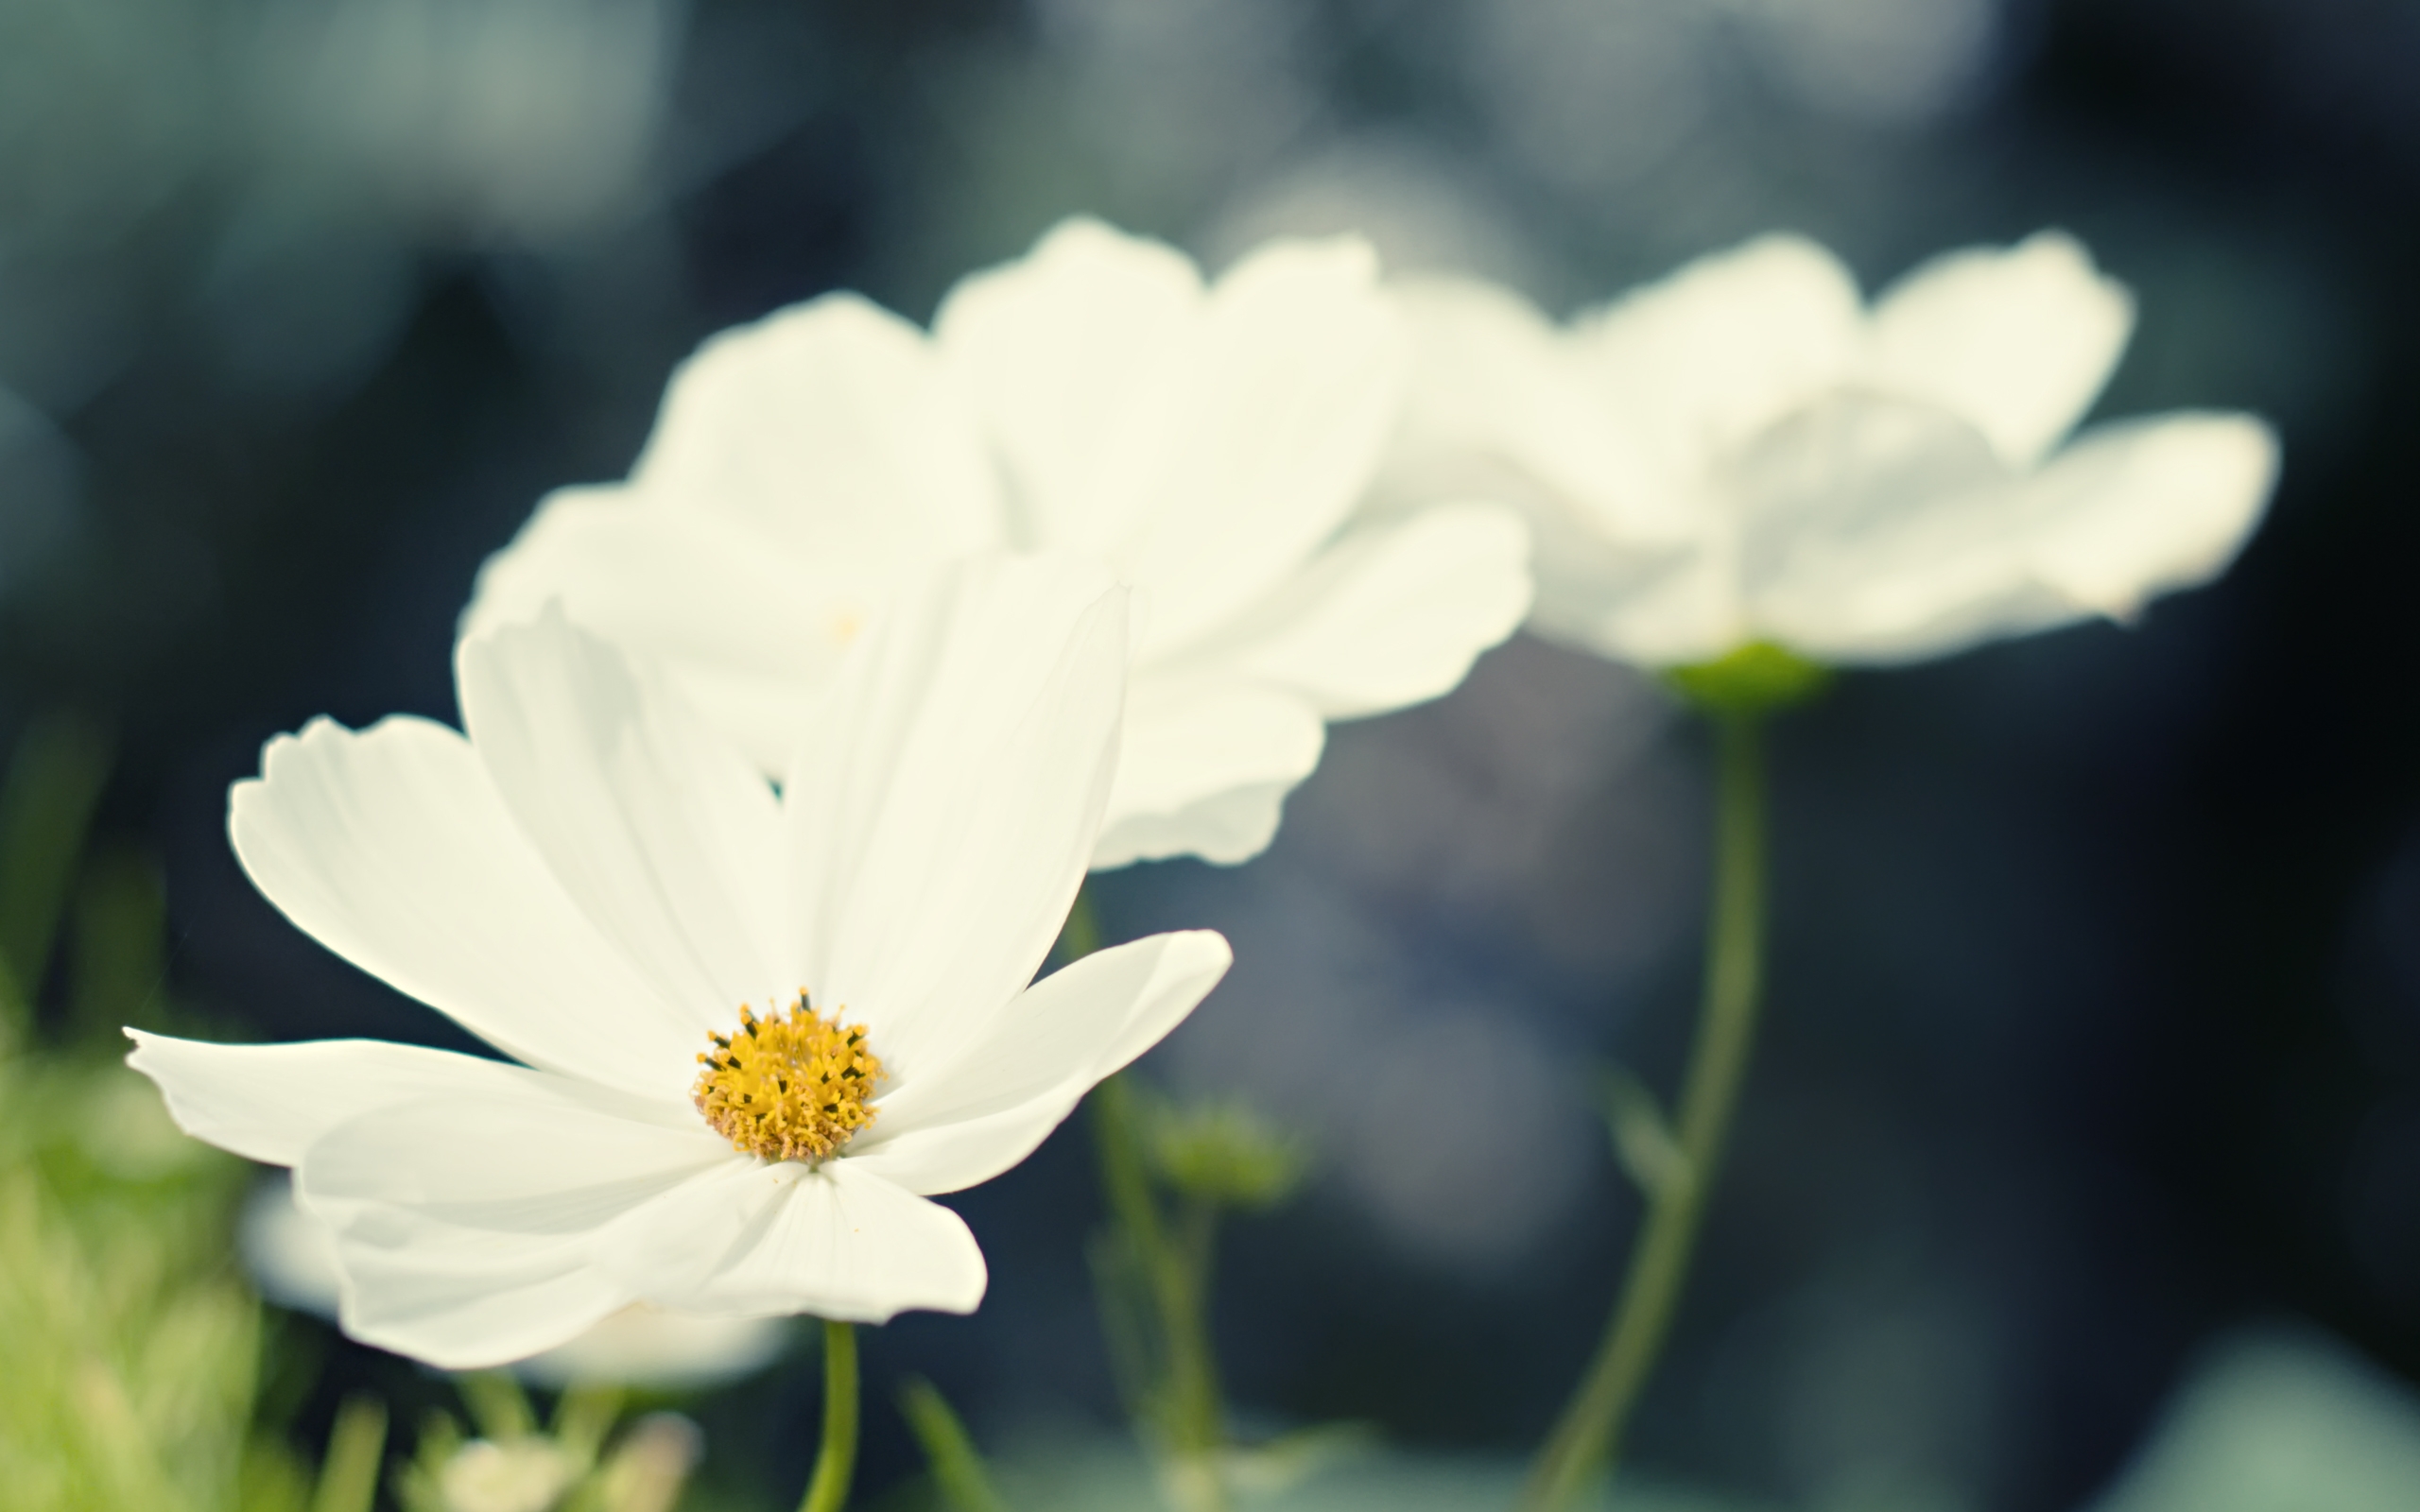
[268, 1103]
[942, 810]
[1853, 481]
[667, 837]
[2127, 512]
[833, 1241]
[1207, 760]
[1207, 443]
[660, 1349]
[2147, 506]
[1071, 353]
[974, 1116]
[832, 427]
[2017, 340]
[1390, 615]
[1293, 388]
[1713, 353]
[1502, 407]
[1658, 611]
[746, 629]
[391, 848]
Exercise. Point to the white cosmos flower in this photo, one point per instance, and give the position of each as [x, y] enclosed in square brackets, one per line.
[1747, 452]
[594, 882]
[1210, 442]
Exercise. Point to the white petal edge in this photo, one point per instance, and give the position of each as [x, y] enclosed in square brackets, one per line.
[1501, 408]
[1707, 356]
[2156, 505]
[525, 1299]
[2019, 340]
[1207, 760]
[1290, 393]
[1064, 351]
[968, 1119]
[391, 847]
[2130, 511]
[834, 1242]
[748, 630]
[1389, 616]
[269, 1103]
[834, 427]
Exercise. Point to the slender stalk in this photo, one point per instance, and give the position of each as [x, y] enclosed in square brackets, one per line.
[837, 1461]
[957, 1464]
[348, 1474]
[1587, 1439]
[1193, 1416]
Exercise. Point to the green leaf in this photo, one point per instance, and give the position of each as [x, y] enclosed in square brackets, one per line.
[956, 1466]
[1643, 1138]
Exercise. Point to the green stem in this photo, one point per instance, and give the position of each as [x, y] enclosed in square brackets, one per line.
[1587, 1439]
[1193, 1414]
[837, 1461]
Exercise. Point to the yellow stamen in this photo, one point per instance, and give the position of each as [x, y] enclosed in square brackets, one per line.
[790, 1088]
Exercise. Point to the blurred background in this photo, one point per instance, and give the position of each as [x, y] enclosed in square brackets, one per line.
[2094, 1019]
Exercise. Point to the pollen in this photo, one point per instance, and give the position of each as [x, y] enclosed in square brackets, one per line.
[791, 1087]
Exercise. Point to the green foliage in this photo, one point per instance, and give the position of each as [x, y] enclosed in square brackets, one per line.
[1223, 1153]
[133, 1346]
[958, 1469]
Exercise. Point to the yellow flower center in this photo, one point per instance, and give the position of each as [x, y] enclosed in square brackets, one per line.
[790, 1088]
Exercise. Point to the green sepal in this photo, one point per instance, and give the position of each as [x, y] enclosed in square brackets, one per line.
[1757, 677]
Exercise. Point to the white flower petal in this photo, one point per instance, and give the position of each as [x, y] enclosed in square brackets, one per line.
[391, 848]
[1207, 760]
[743, 628]
[1502, 407]
[1206, 444]
[830, 1241]
[2149, 506]
[1713, 353]
[463, 1226]
[942, 810]
[661, 831]
[513, 1162]
[1852, 484]
[500, 1298]
[1291, 391]
[974, 1116]
[269, 1102]
[2019, 340]
[1389, 616]
[2127, 512]
[1069, 350]
[834, 428]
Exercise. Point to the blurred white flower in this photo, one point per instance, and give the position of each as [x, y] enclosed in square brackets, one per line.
[1209, 442]
[1745, 452]
[595, 884]
[526, 1475]
[292, 1259]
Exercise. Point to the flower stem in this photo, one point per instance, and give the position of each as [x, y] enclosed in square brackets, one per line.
[1192, 1417]
[837, 1461]
[1587, 1439]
